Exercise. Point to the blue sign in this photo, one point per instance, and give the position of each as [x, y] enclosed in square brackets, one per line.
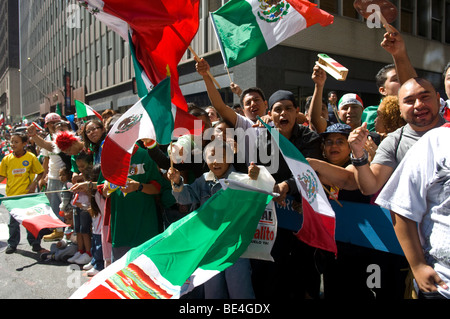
[360, 224]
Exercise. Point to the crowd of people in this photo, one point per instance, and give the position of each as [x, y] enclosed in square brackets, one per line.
[354, 148]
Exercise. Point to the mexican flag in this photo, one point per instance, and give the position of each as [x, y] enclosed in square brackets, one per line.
[182, 119]
[160, 34]
[33, 211]
[319, 223]
[84, 110]
[247, 28]
[189, 253]
[151, 118]
[40, 128]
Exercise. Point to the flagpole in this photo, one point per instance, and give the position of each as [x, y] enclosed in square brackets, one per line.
[228, 71]
[171, 161]
[31, 194]
[332, 195]
[197, 58]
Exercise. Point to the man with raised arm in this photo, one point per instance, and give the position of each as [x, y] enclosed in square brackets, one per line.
[419, 106]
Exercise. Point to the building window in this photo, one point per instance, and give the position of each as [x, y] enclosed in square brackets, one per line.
[436, 19]
[348, 10]
[447, 22]
[213, 5]
[330, 6]
[97, 62]
[423, 14]
[407, 16]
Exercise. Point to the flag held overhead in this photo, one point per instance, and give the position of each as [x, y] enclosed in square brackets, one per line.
[247, 28]
[332, 67]
[84, 110]
[160, 33]
[151, 118]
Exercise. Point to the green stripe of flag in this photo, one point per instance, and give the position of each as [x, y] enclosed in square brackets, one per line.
[141, 78]
[159, 108]
[25, 202]
[288, 149]
[211, 238]
[240, 36]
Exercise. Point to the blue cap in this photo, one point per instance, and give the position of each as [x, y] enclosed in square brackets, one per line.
[337, 128]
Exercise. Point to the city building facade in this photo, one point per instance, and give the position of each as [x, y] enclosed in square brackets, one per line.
[9, 61]
[67, 54]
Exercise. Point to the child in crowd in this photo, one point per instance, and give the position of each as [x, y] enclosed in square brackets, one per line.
[97, 202]
[67, 246]
[65, 176]
[82, 218]
[235, 281]
[18, 168]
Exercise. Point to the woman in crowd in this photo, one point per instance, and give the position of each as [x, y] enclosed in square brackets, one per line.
[389, 118]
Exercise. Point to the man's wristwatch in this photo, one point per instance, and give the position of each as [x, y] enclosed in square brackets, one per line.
[361, 161]
[141, 186]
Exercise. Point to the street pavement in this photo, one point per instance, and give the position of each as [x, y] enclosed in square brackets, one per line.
[24, 276]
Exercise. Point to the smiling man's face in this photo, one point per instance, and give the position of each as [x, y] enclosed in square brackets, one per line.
[419, 104]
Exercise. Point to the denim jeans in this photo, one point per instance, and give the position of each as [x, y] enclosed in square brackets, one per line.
[97, 252]
[235, 282]
[55, 198]
[14, 234]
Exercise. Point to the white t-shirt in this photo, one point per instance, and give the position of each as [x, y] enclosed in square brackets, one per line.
[419, 190]
[55, 162]
[247, 137]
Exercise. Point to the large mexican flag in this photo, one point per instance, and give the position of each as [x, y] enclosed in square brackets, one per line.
[33, 211]
[247, 28]
[190, 252]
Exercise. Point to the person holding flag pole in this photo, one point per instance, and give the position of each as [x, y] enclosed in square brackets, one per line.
[53, 162]
[288, 251]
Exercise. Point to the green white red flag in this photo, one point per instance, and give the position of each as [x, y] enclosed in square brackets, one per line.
[40, 128]
[247, 28]
[84, 110]
[319, 223]
[160, 33]
[150, 118]
[190, 252]
[182, 119]
[33, 212]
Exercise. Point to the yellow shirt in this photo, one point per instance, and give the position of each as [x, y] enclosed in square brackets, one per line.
[19, 172]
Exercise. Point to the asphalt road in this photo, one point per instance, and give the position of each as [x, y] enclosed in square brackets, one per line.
[24, 276]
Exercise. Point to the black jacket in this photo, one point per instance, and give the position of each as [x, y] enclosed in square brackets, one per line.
[307, 141]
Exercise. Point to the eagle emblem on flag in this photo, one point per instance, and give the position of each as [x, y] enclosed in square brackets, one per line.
[273, 10]
[309, 184]
[128, 123]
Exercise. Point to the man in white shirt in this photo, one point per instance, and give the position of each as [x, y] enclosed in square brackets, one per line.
[418, 195]
[52, 164]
